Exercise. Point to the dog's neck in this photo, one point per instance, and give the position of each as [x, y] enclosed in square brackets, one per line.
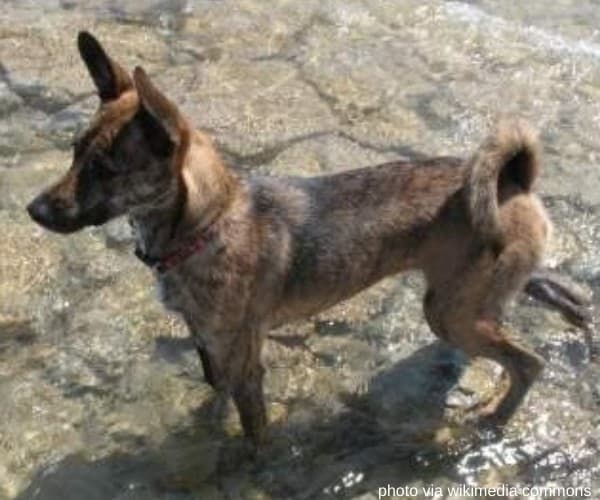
[204, 188]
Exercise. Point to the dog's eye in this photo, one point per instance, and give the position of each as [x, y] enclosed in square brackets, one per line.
[103, 168]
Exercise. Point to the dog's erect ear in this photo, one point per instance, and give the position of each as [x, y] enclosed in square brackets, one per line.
[110, 78]
[158, 106]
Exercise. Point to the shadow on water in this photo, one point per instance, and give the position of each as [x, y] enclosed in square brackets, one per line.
[395, 421]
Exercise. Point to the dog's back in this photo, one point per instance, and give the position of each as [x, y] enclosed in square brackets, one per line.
[346, 231]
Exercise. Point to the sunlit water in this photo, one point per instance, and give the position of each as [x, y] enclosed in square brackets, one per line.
[102, 396]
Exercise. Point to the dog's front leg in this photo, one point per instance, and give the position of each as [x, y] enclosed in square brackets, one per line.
[244, 373]
[235, 369]
[208, 366]
[249, 399]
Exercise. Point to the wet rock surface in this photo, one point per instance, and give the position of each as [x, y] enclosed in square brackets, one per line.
[102, 394]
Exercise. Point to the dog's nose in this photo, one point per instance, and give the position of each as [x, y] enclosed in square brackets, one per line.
[40, 210]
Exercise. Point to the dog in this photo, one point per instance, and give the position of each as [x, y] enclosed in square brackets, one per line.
[237, 255]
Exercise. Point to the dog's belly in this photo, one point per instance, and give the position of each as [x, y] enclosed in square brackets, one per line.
[312, 296]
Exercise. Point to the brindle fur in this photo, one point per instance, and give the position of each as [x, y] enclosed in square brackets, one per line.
[286, 248]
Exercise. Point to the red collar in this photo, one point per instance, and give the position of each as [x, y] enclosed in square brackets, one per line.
[177, 256]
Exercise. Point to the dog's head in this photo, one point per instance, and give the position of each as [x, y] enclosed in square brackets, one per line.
[126, 158]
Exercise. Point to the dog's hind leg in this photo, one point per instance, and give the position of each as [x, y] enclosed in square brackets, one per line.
[468, 315]
[511, 270]
[521, 365]
[487, 338]
[562, 294]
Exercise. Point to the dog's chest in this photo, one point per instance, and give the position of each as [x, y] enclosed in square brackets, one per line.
[175, 295]
[189, 296]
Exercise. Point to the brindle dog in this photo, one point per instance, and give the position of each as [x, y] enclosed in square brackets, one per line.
[237, 255]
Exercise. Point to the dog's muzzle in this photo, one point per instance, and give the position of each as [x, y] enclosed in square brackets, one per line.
[51, 215]
[40, 211]
[43, 211]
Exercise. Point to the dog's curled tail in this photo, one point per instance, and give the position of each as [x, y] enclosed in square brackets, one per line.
[507, 163]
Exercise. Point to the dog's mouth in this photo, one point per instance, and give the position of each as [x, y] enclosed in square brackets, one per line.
[42, 211]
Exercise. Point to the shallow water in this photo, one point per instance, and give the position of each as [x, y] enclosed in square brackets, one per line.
[102, 395]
